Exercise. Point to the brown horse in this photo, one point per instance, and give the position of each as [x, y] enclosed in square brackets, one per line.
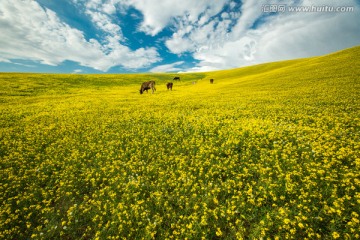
[146, 86]
[169, 86]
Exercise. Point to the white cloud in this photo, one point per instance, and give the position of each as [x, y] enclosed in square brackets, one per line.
[200, 68]
[31, 32]
[4, 60]
[168, 67]
[208, 36]
[280, 37]
[159, 14]
[209, 32]
[104, 23]
[231, 54]
[242, 35]
[250, 12]
[316, 36]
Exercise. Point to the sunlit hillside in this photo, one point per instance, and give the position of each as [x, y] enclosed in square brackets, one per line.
[271, 150]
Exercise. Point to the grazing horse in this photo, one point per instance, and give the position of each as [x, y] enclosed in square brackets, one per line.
[211, 81]
[146, 86]
[176, 78]
[169, 86]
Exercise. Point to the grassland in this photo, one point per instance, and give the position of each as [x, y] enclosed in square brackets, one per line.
[267, 151]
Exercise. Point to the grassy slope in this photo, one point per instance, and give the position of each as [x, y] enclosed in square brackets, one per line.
[266, 150]
[301, 73]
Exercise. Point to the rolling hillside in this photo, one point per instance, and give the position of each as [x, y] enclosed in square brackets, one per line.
[267, 151]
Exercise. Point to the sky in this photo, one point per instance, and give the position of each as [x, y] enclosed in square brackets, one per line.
[130, 36]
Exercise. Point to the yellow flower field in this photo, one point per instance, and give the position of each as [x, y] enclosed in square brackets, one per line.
[270, 151]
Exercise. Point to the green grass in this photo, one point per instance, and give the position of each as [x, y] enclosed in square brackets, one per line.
[270, 150]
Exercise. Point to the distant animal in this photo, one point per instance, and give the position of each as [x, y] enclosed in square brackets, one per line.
[211, 81]
[145, 86]
[169, 86]
[176, 78]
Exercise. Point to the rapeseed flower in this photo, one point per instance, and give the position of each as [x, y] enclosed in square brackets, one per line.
[277, 158]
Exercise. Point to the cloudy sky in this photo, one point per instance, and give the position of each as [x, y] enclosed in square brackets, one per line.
[114, 36]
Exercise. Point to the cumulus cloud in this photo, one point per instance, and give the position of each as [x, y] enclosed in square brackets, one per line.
[168, 67]
[297, 35]
[100, 13]
[211, 30]
[218, 34]
[34, 33]
[104, 23]
[257, 37]
[159, 14]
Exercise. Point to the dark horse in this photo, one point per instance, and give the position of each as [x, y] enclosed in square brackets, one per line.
[169, 86]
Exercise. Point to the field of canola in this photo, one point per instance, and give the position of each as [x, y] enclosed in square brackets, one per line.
[269, 151]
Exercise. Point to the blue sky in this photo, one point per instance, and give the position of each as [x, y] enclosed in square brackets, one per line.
[119, 36]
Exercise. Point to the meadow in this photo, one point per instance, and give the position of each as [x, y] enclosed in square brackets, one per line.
[270, 151]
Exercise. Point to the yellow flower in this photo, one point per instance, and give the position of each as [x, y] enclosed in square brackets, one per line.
[203, 221]
[218, 232]
[286, 221]
[335, 235]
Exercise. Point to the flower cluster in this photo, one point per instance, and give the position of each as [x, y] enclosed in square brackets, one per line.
[200, 162]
